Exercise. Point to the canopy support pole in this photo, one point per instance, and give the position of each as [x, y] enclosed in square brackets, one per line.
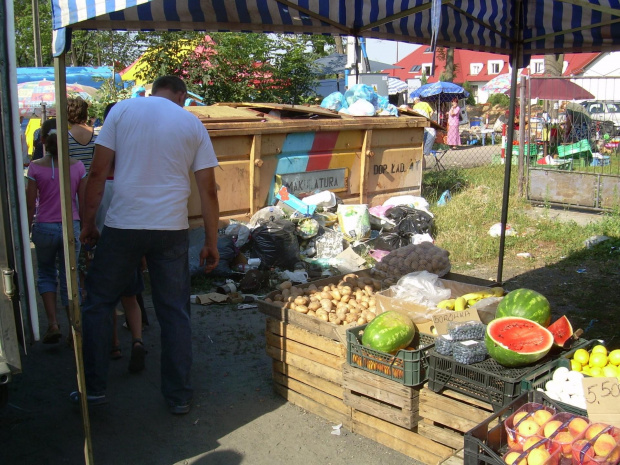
[62, 129]
[517, 52]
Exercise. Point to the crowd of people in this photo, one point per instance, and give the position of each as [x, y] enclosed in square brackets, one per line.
[130, 182]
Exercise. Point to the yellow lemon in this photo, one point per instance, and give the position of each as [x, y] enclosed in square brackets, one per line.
[586, 370]
[575, 365]
[596, 371]
[610, 371]
[599, 349]
[582, 356]
[614, 357]
[598, 360]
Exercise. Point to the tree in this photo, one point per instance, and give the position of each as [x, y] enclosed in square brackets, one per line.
[104, 48]
[423, 78]
[449, 72]
[24, 36]
[554, 65]
[471, 100]
[235, 67]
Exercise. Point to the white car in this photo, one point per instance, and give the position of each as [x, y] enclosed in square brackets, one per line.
[604, 111]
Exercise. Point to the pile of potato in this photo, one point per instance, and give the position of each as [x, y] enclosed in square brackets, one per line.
[420, 257]
[351, 301]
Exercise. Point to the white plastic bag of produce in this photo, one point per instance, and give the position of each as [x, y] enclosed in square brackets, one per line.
[354, 222]
[421, 288]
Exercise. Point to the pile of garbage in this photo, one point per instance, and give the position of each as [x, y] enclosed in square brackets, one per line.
[360, 100]
[317, 236]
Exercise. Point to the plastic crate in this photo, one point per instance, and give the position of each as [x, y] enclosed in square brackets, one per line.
[408, 367]
[532, 149]
[487, 442]
[487, 380]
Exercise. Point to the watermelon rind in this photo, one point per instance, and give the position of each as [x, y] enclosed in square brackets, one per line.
[389, 332]
[525, 303]
[514, 327]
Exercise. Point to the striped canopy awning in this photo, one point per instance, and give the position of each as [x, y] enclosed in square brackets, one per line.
[546, 26]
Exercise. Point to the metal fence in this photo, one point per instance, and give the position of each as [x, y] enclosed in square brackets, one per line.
[568, 125]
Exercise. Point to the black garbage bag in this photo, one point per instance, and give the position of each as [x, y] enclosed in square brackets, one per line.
[410, 221]
[390, 241]
[275, 243]
[228, 252]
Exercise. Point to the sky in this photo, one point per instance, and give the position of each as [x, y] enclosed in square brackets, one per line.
[388, 51]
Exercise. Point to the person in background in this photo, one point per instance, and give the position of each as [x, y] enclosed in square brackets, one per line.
[430, 134]
[129, 298]
[454, 138]
[47, 234]
[148, 218]
[24, 144]
[82, 137]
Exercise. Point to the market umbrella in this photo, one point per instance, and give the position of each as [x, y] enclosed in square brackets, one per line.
[557, 89]
[439, 92]
[498, 85]
[32, 95]
[336, 63]
[395, 86]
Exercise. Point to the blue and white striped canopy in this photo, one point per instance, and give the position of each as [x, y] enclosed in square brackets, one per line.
[545, 26]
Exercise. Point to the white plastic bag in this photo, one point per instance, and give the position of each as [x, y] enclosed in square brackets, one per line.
[362, 108]
[419, 203]
[322, 199]
[422, 288]
[496, 230]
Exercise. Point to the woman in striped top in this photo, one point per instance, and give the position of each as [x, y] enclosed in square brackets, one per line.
[81, 136]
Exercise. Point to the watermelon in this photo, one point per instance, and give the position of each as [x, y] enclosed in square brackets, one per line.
[562, 331]
[516, 342]
[525, 303]
[389, 332]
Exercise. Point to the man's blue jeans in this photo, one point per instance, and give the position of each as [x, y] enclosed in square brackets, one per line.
[118, 254]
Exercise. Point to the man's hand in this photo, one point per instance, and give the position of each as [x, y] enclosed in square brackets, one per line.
[209, 258]
[89, 236]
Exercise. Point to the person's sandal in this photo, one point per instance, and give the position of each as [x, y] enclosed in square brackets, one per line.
[138, 353]
[52, 336]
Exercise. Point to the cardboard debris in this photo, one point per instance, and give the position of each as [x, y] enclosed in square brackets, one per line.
[349, 261]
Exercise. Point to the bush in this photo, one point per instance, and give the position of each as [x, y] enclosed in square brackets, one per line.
[471, 100]
[499, 99]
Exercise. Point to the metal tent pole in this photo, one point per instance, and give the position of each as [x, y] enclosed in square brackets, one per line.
[517, 52]
[62, 130]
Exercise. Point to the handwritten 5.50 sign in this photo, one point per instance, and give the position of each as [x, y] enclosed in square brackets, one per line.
[602, 400]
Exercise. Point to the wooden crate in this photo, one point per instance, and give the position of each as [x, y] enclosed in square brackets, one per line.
[446, 417]
[456, 459]
[382, 398]
[400, 439]
[307, 370]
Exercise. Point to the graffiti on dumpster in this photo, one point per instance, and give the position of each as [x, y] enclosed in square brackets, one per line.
[393, 168]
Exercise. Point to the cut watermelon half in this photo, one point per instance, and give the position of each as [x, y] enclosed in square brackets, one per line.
[515, 342]
[562, 331]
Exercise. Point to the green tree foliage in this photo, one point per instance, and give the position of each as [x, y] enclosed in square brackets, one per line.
[499, 99]
[471, 100]
[423, 79]
[236, 67]
[24, 36]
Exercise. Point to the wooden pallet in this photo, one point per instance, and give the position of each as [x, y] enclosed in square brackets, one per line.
[307, 370]
[456, 459]
[446, 417]
[380, 397]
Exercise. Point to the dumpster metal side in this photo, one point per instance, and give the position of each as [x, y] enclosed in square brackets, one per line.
[361, 159]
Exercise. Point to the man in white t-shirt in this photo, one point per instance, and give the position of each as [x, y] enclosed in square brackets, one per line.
[153, 143]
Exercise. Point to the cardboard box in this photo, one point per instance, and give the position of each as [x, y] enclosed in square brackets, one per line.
[422, 315]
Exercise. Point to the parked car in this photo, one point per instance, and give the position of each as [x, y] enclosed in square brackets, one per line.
[606, 112]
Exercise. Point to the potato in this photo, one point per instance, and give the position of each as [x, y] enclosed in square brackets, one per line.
[278, 297]
[361, 321]
[335, 294]
[301, 300]
[364, 304]
[341, 313]
[371, 316]
[326, 304]
[376, 284]
[350, 318]
[326, 295]
[369, 289]
[301, 308]
[291, 305]
[311, 313]
[311, 288]
[268, 300]
[345, 290]
[341, 304]
[285, 293]
[314, 305]
[322, 314]
[345, 298]
[314, 298]
[286, 285]
[358, 295]
[326, 289]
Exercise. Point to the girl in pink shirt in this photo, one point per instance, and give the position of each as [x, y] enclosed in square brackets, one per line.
[46, 228]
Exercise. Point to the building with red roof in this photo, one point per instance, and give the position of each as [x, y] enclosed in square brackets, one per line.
[478, 68]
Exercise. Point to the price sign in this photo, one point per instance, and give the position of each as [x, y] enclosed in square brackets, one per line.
[602, 399]
[442, 320]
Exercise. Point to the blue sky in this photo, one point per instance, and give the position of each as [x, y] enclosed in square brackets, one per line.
[388, 51]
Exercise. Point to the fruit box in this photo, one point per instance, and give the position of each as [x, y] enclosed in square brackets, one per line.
[421, 315]
[408, 367]
[599, 446]
[487, 442]
[309, 323]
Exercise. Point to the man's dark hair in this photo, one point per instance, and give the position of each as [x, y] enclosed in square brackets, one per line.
[107, 109]
[172, 83]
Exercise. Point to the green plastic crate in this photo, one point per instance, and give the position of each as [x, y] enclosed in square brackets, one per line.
[532, 149]
[408, 367]
[577, 150]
